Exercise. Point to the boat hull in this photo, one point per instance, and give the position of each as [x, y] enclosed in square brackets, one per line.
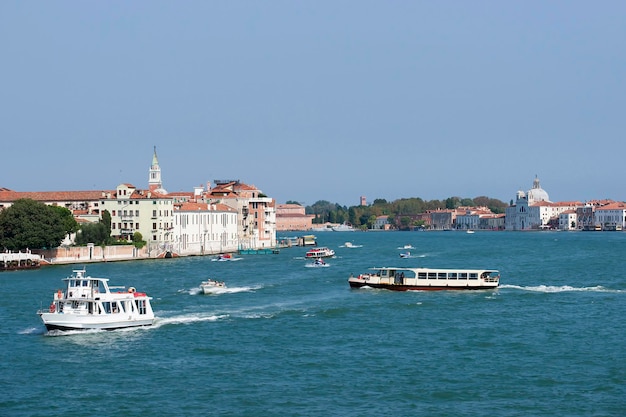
[55, 321]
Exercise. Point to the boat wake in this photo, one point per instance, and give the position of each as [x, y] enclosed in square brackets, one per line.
[312, 265]
[186, 319]
[562, 288]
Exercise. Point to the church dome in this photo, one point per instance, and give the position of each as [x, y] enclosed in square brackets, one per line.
[537, 193]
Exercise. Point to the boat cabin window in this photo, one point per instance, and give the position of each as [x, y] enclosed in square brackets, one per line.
[421, 275]
[442, 275]
[141, 306]
[452, 275]
[432, 275]
[462, 275]
[473, 275]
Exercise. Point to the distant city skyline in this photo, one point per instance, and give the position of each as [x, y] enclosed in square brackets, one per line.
[317, 101]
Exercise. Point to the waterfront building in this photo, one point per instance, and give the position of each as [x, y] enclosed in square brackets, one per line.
[147, 212]
[470, 218]
[256, 212]
[442, 219]
[86, 203]
[611, 216]
[381, 223]
[533, 210]
[568, 220]
[292, 217]
[201, 228]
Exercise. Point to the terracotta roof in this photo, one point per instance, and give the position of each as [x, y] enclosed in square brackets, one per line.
[187, 206]
[612, 206]
[54, 195]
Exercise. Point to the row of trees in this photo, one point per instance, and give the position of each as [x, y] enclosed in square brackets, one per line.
[398, 211]
[29, 224]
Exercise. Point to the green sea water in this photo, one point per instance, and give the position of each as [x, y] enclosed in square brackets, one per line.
[287, 340]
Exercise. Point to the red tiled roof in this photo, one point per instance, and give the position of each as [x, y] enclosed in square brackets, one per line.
[54, 195]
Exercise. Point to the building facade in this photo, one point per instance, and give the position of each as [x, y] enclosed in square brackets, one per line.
[202, 228]
[292, 217]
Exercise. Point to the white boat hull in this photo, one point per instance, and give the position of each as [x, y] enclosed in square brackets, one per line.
[59, 321]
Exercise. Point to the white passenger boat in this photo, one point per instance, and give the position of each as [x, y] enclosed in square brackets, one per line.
[403, 279]
[211, 286]
[89, 303]
[322, 252]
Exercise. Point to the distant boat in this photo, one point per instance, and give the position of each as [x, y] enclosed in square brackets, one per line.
[211, 286]
[225, 257]
[318, 263]
[351, 245]
[469, 231]
[406, 247]
[345, 227]
[316, 253]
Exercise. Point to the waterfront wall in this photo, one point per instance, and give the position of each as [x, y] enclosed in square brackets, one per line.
[92, 253]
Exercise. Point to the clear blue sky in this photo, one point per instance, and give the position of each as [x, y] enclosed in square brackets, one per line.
[317, 100]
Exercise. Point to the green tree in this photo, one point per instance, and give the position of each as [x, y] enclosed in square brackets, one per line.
[138, 240]
[31, 224]
[106, 220]
[96, 233]
[69, 222]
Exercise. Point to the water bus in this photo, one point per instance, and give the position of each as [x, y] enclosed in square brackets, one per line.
[89, 303]
[404, 279]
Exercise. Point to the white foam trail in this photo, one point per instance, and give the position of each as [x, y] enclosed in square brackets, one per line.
[316, 266]
[562, 288]
[33, 330]
[188, 319]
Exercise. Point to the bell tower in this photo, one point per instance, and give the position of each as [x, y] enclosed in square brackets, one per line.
[154, 182]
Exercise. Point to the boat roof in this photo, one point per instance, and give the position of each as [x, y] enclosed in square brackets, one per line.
[421, 269]
[81, 274]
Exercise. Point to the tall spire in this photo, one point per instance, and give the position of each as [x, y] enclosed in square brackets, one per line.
[154, 182]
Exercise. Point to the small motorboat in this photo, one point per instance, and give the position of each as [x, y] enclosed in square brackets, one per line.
[405, 255]
[222, 257]
[318, 263]
[211, 286]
